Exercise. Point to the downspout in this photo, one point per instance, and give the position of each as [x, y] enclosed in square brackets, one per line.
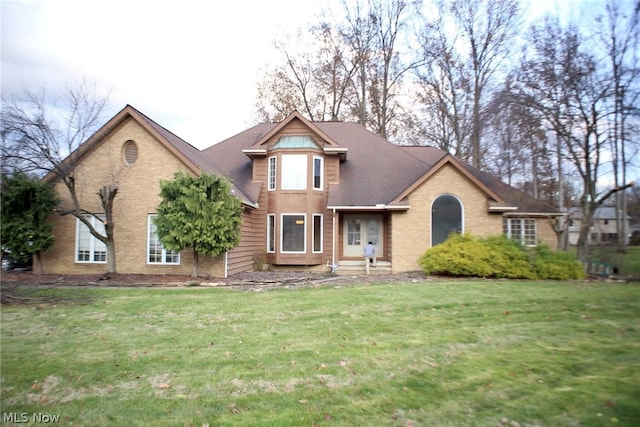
[333, 244]
[226, 264]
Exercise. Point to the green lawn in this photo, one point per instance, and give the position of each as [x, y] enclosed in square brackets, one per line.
[438, 353]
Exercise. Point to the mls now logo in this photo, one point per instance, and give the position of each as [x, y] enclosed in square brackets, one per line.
[25, 417]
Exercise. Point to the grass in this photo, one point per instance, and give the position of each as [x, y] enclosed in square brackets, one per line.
[466, 353]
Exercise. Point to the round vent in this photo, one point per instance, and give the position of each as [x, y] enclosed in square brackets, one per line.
[130, 151]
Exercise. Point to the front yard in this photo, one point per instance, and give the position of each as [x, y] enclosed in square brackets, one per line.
[432, 353]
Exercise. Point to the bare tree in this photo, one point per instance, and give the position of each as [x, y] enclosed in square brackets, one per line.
[349, 69]
[561, 80]
[619, 36]
[46, 138]
[314, 78]
[465, 43]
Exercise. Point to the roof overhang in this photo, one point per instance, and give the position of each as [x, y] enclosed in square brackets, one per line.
[378, 207]
[534, 214]
[501, 207]
[255, 152]
[340, 151]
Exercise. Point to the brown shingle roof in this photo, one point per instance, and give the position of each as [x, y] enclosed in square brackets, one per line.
[511, 195]
[376, 172]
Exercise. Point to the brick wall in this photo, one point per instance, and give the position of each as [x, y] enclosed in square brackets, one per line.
[412, 229]
[138, 196]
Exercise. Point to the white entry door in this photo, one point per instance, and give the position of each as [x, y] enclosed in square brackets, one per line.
[359, 230]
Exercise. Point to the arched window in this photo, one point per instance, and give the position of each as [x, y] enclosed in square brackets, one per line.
[446, 218]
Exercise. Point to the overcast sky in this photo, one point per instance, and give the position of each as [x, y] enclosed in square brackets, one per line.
[190, 65]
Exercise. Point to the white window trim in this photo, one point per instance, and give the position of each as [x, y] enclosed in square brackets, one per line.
[313, 234]
[271, 217]
[164, 251]
[522, 237]
[304, 216]
[93, 241]
[272, 179]
[321, 187]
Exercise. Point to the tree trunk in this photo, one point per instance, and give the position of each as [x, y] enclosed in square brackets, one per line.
[583, 236]
[38, 263]
[194, 270]
[111, 257]
[107, 195]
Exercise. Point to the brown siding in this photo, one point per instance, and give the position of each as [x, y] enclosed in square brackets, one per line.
[307, 201]
[252, 244]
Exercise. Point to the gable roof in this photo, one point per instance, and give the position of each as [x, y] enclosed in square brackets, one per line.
[505, 197]
[193, 157]
[189, 155]
[180, 148]
[376, 174]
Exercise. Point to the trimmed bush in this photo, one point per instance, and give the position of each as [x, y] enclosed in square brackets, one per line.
[498, 257]
[556, 265]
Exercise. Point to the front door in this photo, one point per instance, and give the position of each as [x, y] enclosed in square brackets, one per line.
[359, 230]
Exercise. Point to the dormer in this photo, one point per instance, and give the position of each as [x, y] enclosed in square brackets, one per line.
[306, 135]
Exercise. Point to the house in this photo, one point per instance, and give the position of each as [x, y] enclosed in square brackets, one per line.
[314, 193]
[603, 231]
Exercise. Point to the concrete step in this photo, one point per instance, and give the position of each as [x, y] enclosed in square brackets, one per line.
[357, 267]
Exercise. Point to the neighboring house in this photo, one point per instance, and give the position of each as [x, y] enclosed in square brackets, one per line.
[604, 229]
[314, 194]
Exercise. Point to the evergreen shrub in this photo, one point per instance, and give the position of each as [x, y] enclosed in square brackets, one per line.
[498, 257]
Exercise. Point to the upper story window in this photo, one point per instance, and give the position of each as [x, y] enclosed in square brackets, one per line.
[272, 173]
[293, 172]
[318, 166]
[295, 169]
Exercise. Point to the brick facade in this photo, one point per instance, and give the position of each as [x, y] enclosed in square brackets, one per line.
[412, 229]
[401, 205]
[138, 196]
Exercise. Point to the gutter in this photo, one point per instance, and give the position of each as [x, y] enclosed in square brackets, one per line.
[379, 207]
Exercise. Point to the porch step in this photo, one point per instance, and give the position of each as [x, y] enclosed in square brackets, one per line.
[357, 268]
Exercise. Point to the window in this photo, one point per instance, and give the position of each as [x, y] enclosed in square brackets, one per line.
[317, 233]
[317, 173]
[353, 231]
[293, 233]
[130, 152]
[446, 218]
[521, 230]
[271, 233]
[272, 173]
[294, 172]
[88, 248]
[156, 253]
